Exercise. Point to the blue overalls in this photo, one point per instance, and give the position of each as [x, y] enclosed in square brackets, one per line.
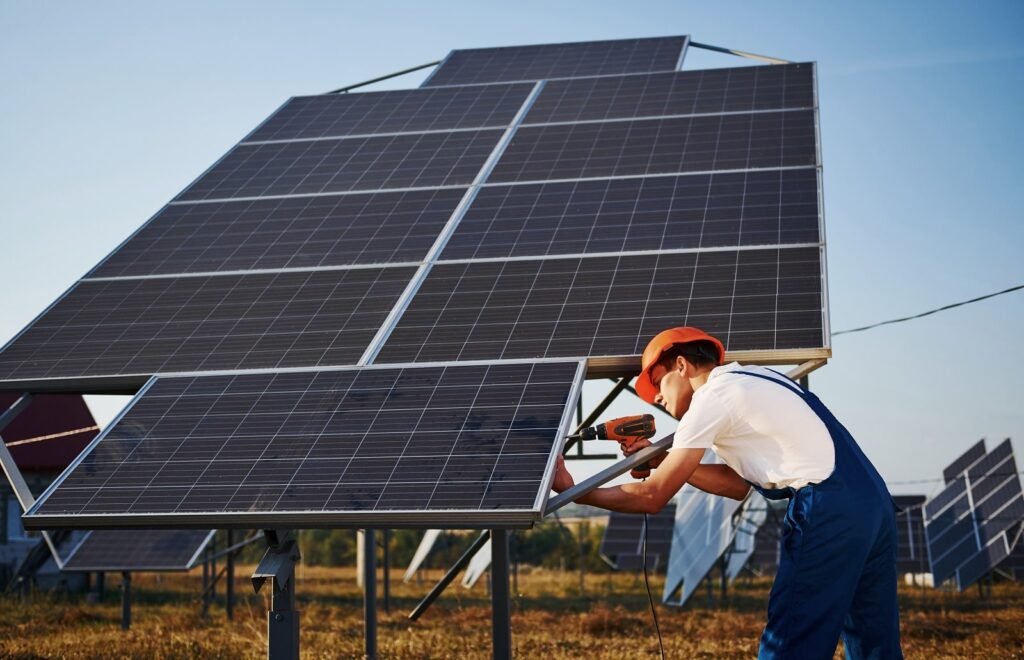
[837, 567]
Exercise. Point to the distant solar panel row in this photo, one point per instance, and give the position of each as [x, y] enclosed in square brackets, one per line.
[624, 538]
[138, 550]
[568, 60]
[912, 552]
[967, 524]
[464, 445]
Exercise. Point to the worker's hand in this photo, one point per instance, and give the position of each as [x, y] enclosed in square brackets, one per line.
[628, 449]
[563, 480]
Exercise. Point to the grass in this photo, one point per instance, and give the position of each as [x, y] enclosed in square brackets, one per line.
[550, 619]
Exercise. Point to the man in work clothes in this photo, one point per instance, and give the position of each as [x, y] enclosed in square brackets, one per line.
[837, 572]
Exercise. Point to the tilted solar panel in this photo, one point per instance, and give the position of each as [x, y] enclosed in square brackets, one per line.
[406, 160]
[623, 540]
[767, 207]
[968, 458]
[138, 550]
[117, 331]
[659, 146]
[399, 111]
[460, 446]
[912, 553]
[745, 89]
[566, 60]
[768, 299]
[293, 232]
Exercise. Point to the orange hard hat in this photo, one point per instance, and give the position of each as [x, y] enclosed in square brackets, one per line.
[662, 342]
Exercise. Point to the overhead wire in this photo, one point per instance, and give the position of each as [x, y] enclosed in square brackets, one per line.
[930, 311]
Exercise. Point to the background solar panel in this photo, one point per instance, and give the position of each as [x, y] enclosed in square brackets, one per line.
[336, 115]
[567, 60]
[623, 540]
[768, 207]
[912, 554]
[743, 89]
[138, 550]
[145, 326]
[659, 146]
[968, 526]
[969, 457]
[299, 232]
[463, 445]
[610, 306]
[324, 166]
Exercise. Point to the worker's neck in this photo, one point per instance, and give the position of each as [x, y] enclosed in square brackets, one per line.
[698, 380]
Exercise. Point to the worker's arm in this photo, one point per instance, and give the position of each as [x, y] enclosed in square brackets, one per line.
[642, 496]
[719, 479]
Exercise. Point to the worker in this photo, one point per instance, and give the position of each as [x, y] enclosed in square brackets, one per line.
[837, 570]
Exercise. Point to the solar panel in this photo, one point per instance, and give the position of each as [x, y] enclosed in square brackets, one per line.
[293, 232]
[565, 60]
[462, 445]
[610, 306]
[753, 515]
[969, 457]
[767, 207]
[623, 540]
[405, 160]
[399, 111]
[659, 146]
[121, 330]
[138, 550]
[970, 524]
[704, 530]
[912, 553]
[745, 89]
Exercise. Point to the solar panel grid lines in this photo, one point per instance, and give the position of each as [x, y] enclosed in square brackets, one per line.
[912, 555]
[302, 232]
[659, 146]
[638, 214]
[681, 93]
[957, 467]
[145, 326]
[347, 164]
[558, 307]
[622, 542]
[138, 550]
[564, 60]
[398, 111]
[315, 447]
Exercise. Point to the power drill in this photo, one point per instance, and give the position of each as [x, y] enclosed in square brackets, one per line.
[626, 431]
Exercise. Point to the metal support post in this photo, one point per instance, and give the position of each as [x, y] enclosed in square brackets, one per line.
[206, 584]
[501, 621]
[278, 566]
[229, 587]
[386, 541]
[369, 594]
[126, 600]
[213, 571]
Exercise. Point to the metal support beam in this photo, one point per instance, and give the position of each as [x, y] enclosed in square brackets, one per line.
[622, 384]
[385, 542]
[501, 619]
[206, 584]
[278, 566]
[229, 587]
[455, 569]
[369, 594]
[342, 90]
[740, 53]
[126, 600]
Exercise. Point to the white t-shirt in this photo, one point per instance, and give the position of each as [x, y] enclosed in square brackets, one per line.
[763, 431]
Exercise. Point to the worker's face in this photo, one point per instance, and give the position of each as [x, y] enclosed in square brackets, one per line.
[674, 389]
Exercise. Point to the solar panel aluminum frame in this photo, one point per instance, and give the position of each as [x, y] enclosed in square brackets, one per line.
[114, 568]
[394, 518]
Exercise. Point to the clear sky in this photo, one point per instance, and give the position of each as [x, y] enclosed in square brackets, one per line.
[109, 109]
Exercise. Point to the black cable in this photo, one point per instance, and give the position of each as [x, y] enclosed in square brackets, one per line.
[930, 312]
[650, 598]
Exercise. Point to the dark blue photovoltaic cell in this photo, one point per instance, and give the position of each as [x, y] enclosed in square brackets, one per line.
[981, 563]
[955, 468]
[566, 60]
[137, 550]
[362, 113]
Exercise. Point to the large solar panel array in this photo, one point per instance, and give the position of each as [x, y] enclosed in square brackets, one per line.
[971, 526]
[564, 201]
[138, 550]
[459, 445]
[623, 540]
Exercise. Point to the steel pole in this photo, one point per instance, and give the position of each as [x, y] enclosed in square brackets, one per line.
[229, 587]
[501, 621]
[126, 600]
[369, 594]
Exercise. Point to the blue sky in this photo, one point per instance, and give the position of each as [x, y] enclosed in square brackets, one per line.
[110, 108]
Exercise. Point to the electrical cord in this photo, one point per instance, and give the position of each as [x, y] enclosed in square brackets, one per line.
[650, 599]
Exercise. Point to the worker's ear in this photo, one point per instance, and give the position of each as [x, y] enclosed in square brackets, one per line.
[683, 367]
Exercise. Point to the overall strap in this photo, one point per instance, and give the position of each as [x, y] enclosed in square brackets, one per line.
[789, 385]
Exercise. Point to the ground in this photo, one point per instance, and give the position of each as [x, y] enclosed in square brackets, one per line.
[551, 619]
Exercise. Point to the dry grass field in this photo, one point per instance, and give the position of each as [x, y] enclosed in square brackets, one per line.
[550, 620]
